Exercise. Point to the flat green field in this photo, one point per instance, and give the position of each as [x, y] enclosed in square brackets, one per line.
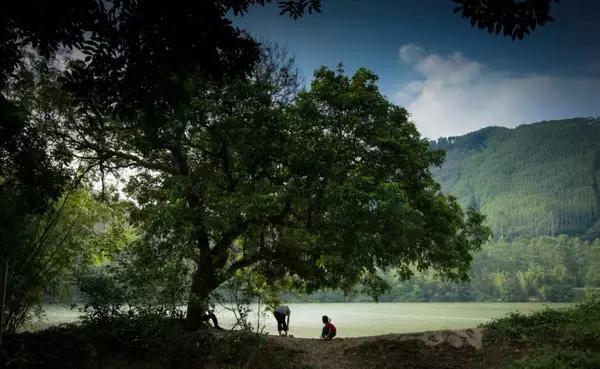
[362, 319]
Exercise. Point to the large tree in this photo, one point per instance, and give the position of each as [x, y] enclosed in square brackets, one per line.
[329, 185]
[233, 169]
[134, 53]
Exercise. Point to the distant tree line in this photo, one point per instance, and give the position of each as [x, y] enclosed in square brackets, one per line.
[536, 269]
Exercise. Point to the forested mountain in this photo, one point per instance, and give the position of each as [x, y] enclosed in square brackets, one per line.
[536, 179]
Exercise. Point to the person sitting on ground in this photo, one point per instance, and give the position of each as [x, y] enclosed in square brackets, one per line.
[281, 313]
[209, 314]
[329, 330]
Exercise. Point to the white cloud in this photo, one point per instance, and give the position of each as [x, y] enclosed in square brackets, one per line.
[458, 95]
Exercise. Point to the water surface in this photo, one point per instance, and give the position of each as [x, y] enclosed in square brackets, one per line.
[367, 319]
[359, 319]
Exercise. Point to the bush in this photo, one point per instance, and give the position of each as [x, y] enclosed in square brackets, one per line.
[137, 341]
[159, 343]
[573, 327]
[104, 296]
[109, 291]
[558, 293]
[592, 296]
[236, 346]
[568, 338]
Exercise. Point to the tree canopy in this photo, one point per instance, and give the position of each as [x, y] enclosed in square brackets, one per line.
[327, 186]
[228, 163]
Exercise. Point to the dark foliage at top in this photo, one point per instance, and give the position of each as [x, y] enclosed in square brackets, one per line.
[135, 49]
[44, 25]
[512, 18]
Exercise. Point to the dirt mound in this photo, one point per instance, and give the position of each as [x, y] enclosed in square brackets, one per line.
[460, 338]
[437, 349]
[413, 354]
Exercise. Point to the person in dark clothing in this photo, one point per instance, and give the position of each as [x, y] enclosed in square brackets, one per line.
[329, 330]
[281, 313]
[210, 315]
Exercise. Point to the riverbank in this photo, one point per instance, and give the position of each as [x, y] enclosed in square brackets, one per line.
[358, 319]
[126, 346]
[436, 349]
[560, 339]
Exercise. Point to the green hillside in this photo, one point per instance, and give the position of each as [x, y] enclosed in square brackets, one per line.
[536, 179]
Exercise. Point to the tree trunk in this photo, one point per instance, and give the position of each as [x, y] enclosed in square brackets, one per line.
[203, 283]
[4, 279]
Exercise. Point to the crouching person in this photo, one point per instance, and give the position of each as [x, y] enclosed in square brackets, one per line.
[209, 314]
[329, 330]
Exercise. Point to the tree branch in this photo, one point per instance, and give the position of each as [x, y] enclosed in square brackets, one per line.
[104, 154]
[224, 156]
[243, 263]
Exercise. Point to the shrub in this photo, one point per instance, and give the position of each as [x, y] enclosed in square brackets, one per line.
[111, 290]
[568, 338]
[104, 296]
[139, 341]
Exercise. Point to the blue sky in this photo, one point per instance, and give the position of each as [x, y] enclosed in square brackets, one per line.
[452, 78]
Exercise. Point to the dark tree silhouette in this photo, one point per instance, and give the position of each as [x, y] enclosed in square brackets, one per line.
[328, 188]
[134, 52]
[47, 26]
[513, 18]
[135, 49]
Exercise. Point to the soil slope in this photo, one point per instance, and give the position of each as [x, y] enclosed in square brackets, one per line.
[436, 349]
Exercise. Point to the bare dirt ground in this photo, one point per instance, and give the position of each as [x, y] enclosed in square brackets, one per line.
[435, 349]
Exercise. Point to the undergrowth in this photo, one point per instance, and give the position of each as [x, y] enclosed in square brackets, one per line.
[561, 339]
[139, 342]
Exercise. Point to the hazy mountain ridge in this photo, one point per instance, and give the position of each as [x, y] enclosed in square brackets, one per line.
[535, 179]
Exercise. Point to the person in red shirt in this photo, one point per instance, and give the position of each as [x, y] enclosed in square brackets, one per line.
[329, 330]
